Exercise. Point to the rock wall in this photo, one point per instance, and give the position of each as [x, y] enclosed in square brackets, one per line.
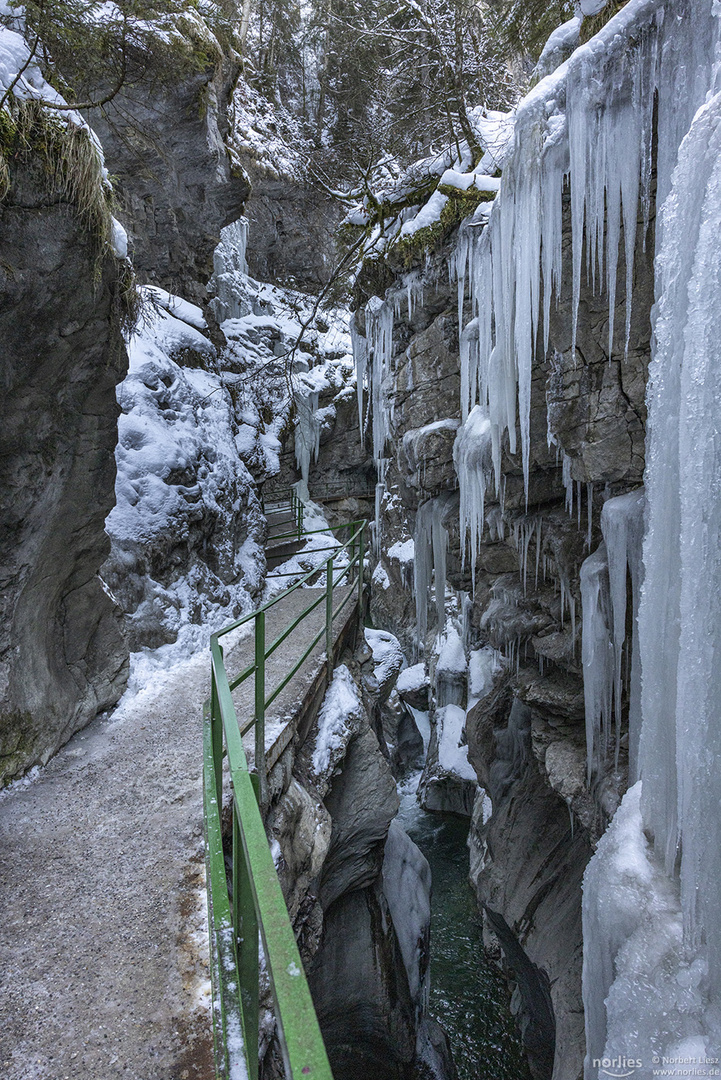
[164, 142]
[357, 888]
[293, 227]
[527, 743]
[62, 655]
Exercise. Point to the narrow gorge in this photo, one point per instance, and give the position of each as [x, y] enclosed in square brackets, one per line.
[415, 305]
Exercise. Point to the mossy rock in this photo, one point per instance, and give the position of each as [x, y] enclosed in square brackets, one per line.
[593, 23]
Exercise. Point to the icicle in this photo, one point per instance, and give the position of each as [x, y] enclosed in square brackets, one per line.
[359, 344]
[307, 430]
[373, 365]
[568, 482]
[622, 528]
[472, 461]
[440, 552]
[589, 498]
[431, 547]
[679, 617]
[597, 657]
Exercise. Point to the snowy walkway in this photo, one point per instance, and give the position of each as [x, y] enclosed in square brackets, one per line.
[103, 937]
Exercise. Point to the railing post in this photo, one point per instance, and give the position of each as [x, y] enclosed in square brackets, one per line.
[245, 924]
[329, 619]
[216, 734]
[361, 557]
[260, 705]
[300, 519]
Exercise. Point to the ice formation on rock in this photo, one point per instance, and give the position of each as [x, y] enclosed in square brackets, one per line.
[230, 272]
[431, 549]
[589, 124]
[472, 461]
[597, 657]
[604, 586]
[379, 335]
[652, 964]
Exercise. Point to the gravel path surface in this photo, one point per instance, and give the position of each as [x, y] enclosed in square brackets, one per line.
[103, 931]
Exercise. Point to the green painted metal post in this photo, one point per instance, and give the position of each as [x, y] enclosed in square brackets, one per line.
[216, 735]
[329, 619]
[351, 555]
[245, 922]
[361, 557]
[260, 705]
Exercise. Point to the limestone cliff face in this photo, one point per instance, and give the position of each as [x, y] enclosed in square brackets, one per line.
[62, 656]
[292, 226]
[163, 140]
[527, 739]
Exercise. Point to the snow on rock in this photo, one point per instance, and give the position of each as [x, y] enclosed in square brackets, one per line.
[118, 239]
[340, 718]
[482, 665]
[181, 309]
[647, 991]
[380, 577]
[402, 551]
[450, 667]
[452, 755]
[451, 657]
[187, 531]
[412, 678]
[388, 659]
[449, 782]
[558, 48]
[414, 687]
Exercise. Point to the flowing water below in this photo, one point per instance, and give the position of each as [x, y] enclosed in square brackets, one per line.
[469, 996]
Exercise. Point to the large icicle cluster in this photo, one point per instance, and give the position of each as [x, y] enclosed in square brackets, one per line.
[652, 964]
[372, 354]
[590, 124]
[379, 335]
[604, 599]
[680, 613]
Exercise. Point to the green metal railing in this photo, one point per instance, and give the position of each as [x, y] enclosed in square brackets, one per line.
[285, 501]
[253, 908]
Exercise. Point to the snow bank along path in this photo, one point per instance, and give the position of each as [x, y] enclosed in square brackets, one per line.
[103, 929]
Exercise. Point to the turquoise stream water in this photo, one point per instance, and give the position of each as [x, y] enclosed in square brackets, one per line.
[469, 996]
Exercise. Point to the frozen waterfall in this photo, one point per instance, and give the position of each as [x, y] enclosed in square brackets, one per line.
[652, 913]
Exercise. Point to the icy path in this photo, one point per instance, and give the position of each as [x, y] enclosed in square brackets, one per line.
[103, 931]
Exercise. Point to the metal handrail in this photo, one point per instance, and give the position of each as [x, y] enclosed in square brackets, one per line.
[293, 504]
[253, 909]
